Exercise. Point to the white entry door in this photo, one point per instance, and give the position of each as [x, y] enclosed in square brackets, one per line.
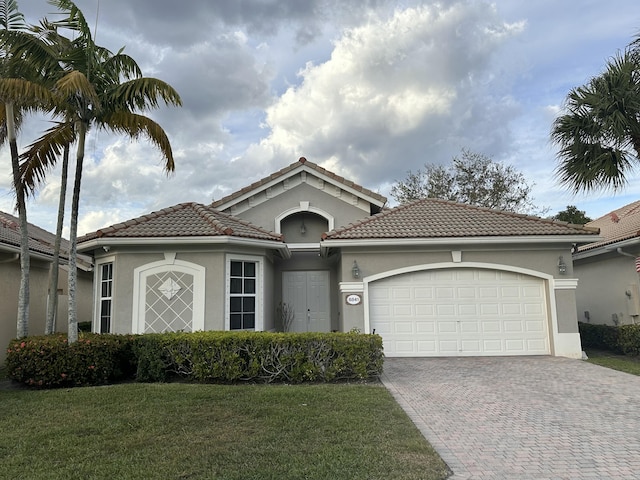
[307, 293]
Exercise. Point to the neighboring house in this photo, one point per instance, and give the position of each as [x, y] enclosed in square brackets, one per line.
[41, 247]
[607, 269]
[433, 278]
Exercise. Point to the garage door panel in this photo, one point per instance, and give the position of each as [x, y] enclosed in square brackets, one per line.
[401, 293]
[426, 347]
[469, 327]
[424, 310]
[460, 312]
[444, 326]
[490, 326]
[425, 327]
[488, 292]
[468, 310]
[402, 310]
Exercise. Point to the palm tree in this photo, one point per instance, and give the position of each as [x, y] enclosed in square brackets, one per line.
[599, 135]
[103, 90]
[11, 19]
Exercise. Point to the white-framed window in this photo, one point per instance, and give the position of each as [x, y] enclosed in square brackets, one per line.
[104, 297]
[244, 293]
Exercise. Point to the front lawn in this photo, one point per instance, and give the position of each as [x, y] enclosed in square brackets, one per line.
[624, 363]
[187, 431]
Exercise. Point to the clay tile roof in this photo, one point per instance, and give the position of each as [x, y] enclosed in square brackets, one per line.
[283, 173]
[433, 218]
[616, 226]
[40, 241]
[183, 220]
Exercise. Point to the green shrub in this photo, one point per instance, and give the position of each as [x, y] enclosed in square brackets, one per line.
[201, 357]
[258, 356]
[49, 361]
[601, 337]
[629, 339]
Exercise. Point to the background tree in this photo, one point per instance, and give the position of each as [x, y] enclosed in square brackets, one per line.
[572, 215]
[472, 178]
[599, 131]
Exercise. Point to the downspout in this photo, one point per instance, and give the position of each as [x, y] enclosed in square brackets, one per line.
[15, 257]
[619, 250]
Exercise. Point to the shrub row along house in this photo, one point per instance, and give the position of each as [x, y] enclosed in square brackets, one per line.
[41, 245]
[433, 278]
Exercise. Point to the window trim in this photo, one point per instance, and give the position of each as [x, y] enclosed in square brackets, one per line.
[259, 295]
[97, 313]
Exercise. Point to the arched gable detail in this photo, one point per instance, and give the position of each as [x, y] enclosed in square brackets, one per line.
[304, 207]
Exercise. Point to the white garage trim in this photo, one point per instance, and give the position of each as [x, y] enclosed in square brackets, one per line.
[548, 281]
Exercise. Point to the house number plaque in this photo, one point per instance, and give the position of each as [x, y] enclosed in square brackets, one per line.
[354, 299]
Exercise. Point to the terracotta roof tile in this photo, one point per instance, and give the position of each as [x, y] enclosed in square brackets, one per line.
[183, 220]
[40, 240]
[284, 171]
[433, 218]
[616, 226]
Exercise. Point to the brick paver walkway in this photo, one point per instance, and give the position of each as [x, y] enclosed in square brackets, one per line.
[523, 417]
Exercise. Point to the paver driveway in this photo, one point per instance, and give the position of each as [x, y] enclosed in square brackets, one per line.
[523, 417]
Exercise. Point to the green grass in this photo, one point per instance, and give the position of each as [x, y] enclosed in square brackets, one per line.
[186, 431]
[615, 361]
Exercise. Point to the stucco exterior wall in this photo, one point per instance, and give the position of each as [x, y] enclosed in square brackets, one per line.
[9, 287]
[344, 210]
[126, 261]
[601, 293]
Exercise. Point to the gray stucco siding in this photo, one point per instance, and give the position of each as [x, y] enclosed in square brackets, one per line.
[603, 283]
[214, 263]
[341, 208]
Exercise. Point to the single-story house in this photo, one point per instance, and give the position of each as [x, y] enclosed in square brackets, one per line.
[433, 278]
[41, 245]
[607, 269]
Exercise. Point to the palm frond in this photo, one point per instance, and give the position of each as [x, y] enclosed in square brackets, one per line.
[76, 86]
[26, 94]
[144, 94]
[10, 17]
[135, 126]
[43, 154]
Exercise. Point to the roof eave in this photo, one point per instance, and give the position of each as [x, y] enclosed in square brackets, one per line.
[607, 248]
[148, 241]
[486, 240]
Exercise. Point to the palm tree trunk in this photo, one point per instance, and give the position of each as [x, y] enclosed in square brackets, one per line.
[73, 236]
[52, 304]
[22, 326]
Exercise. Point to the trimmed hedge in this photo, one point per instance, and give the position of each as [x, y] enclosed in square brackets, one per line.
[221, 357]
[48, 361]
[621, 339]
[629, 339]
[601, 337]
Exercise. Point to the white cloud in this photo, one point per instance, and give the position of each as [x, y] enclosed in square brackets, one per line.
[400, 87]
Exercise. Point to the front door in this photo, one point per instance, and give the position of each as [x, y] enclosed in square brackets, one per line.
[307, 293]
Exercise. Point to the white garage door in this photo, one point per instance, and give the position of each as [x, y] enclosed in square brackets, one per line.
[458, 312]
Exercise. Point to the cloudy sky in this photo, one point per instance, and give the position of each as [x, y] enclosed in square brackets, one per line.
[368, 89]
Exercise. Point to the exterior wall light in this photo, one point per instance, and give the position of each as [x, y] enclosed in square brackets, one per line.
[562, 267]
[303, 228]
[355, 270]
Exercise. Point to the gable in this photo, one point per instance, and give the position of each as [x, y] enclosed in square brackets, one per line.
[299, 173]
